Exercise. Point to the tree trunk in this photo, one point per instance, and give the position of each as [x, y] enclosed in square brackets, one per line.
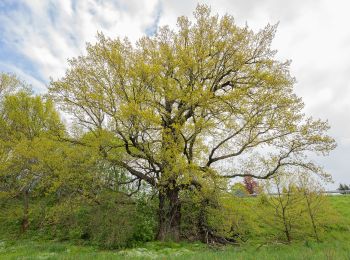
[286, 226]
[202, 226]
[161, 235]
[169, 215]
[311, 214]
[25, 219]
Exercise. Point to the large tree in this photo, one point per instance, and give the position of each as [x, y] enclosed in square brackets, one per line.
[191, 106]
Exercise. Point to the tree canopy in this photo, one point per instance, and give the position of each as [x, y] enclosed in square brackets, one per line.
[191, 106]
[27, 124]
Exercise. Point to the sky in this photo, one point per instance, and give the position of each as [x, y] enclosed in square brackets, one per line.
[38, 36]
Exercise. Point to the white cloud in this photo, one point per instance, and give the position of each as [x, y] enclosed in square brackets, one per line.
[50, 32]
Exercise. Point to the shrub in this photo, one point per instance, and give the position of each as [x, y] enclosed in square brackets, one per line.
[111, 221]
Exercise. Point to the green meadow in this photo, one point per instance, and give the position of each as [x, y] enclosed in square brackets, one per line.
[335, 246]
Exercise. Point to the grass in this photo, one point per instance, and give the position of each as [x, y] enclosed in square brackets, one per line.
[57, 250]
[342, 204]
[336, 247]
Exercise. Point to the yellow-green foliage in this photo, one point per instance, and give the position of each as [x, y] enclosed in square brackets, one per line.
[186, 98]
[28, 126]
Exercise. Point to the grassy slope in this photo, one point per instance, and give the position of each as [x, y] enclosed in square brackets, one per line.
[338, 247]
[342, 204]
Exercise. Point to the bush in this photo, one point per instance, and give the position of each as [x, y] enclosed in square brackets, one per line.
[145, 221]
[117, 221]
[219, 214]
[110, 224]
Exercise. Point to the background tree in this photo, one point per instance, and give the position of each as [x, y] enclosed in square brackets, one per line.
[10, 83]
[238, 189]
[185, 101]
[296, 207]
[250, 185]
[26, 124]
[316, 203]
[282, 206]
[343, 188]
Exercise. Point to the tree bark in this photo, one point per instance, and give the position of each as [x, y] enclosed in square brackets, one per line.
[25, 219]
[286, 226]
[161, 217]
[202, 226]
[175, 214]
[169, 215]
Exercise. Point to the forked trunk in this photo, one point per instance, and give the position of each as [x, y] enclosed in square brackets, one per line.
[169, 215]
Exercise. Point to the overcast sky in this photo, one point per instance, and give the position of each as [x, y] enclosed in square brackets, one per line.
[38, 36]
